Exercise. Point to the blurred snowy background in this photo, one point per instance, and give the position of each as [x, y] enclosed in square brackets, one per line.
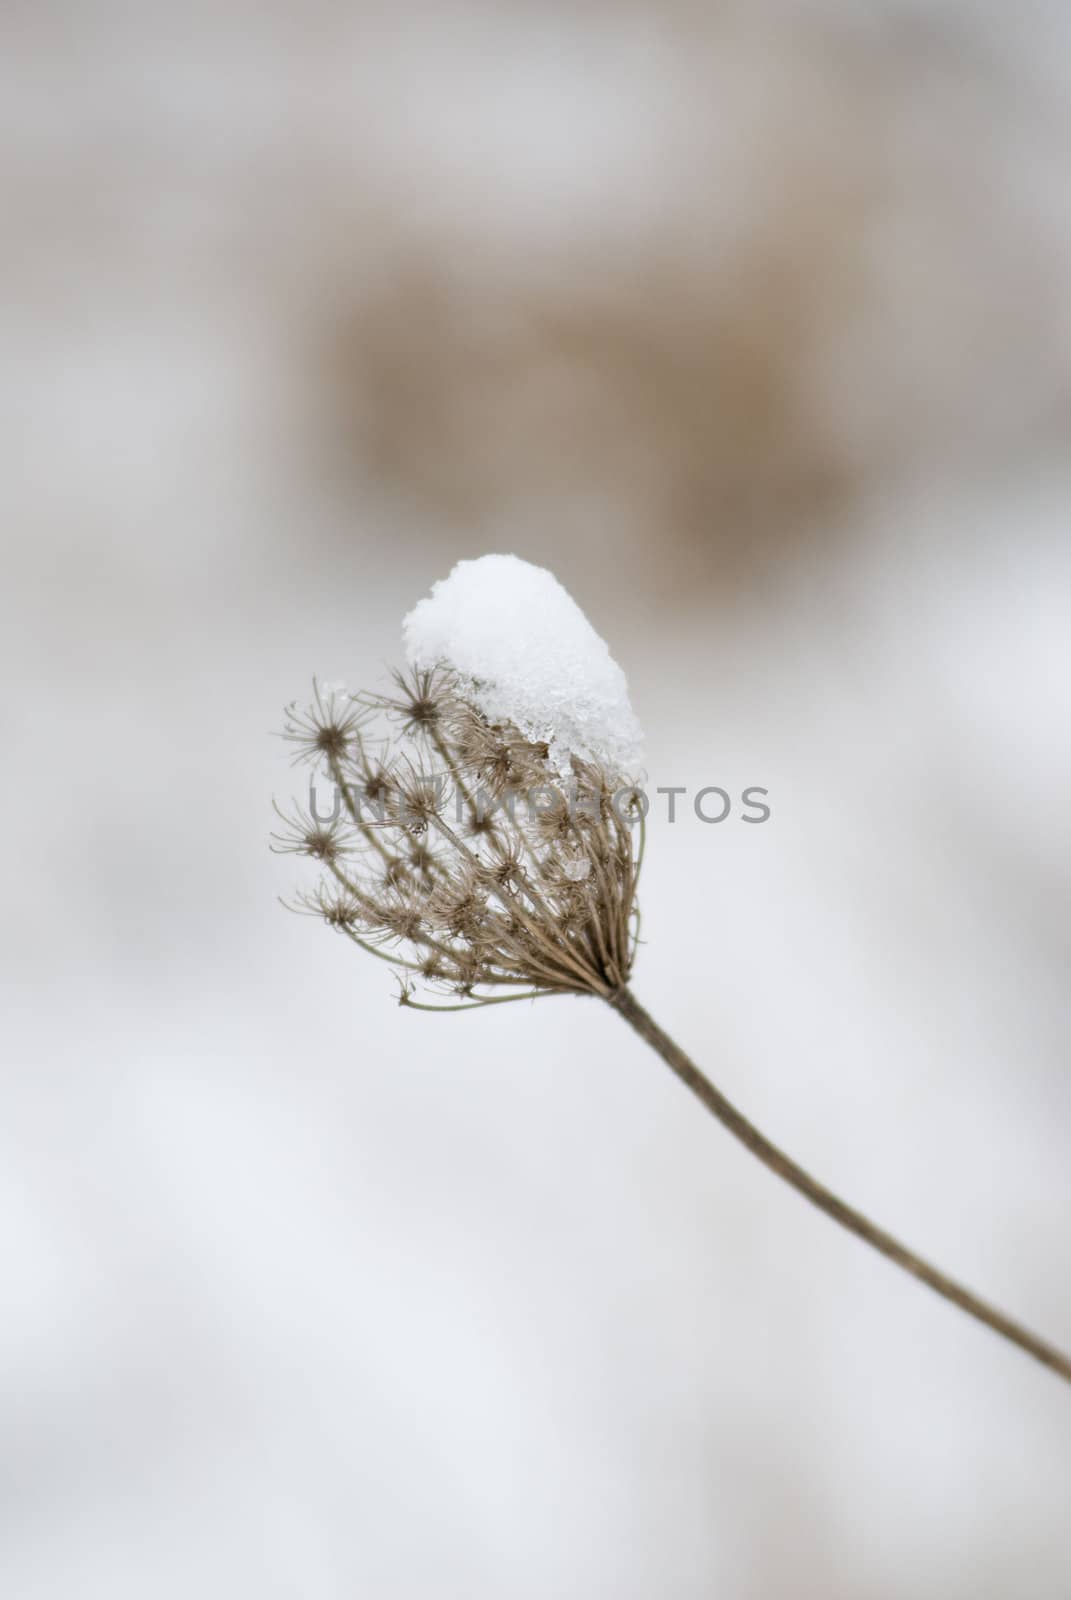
[754, 323]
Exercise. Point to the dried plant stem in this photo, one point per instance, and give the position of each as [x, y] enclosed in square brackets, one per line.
[629, 1007]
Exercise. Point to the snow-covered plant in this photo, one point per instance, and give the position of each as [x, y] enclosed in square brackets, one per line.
[479, 826]
[475, 828]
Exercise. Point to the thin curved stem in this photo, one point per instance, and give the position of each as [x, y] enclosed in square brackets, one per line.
[854, 1221]
[478, 1005]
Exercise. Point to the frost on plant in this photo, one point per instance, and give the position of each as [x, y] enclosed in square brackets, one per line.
[474, 826]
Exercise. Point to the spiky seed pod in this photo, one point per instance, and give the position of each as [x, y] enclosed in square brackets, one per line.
[457, 852]
[419, 702]
[305, 834]
[503, 869]
[335, 905]
[328, 730]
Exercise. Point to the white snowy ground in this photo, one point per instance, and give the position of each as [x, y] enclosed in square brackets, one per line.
[304, 1296]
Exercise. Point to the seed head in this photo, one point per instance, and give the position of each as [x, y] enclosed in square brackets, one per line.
[457, 850]
[328, 729]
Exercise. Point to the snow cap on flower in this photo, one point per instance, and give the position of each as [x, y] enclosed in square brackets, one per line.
[525, 653]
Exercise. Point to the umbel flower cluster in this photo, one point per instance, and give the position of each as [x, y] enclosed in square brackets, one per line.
[453, 847]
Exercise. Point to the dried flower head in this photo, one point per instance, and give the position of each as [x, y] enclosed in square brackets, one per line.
[451, 847]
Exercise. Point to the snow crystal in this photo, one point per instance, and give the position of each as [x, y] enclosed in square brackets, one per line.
[525, 653]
